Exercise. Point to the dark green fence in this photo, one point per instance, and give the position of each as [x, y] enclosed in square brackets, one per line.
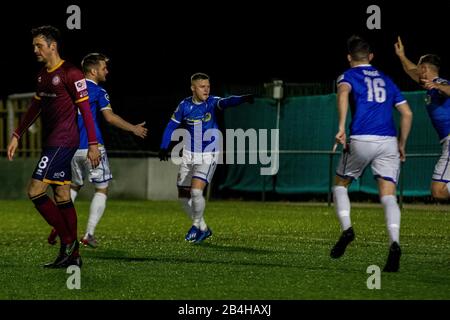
[307, 128]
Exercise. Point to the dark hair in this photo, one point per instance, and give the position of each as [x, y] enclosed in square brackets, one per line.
[199, 76]
[50, 33]
[91, 60]
[358, 48]
[431, 59]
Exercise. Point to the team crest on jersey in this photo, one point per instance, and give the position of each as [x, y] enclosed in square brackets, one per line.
[107, 97]
[81, 85]
[56, 80]
[207, 117]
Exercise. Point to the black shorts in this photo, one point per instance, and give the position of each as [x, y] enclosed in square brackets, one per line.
[54, 165]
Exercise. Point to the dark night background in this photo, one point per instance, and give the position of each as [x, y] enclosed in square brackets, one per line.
[155, 47]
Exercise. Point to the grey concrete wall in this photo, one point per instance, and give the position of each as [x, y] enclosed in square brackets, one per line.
[133, 178]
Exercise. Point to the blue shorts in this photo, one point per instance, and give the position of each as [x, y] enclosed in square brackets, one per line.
[54, 165]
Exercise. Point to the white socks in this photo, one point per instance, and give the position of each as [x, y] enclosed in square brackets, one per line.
[73, 194]
[342, 206]
[198, 207]
[98, 205]
[392, 215]
[186, 203]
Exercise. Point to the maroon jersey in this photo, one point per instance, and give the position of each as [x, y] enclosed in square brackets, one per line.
[60, 91]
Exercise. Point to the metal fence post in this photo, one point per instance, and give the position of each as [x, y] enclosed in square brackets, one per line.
[330, 177]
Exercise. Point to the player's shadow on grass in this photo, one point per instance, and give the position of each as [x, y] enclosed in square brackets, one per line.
[117, 255]
[218, 247]
[114, 255]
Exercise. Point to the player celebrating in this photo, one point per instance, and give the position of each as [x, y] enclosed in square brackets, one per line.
[61, 89]
[373, 140]
[426, 72]
[198, 114]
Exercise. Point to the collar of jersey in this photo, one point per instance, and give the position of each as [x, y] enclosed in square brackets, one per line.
[55, 67]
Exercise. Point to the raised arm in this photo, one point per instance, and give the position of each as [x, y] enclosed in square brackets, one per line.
[409, 67]
[117, 121]
[233, 101]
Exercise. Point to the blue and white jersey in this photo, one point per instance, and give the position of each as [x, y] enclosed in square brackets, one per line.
[99, 101]
[373, 96]
[197, 118]
[438, 107]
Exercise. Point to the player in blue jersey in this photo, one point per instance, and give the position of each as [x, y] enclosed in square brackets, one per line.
[426, 73]
[198, 115]
[95, 70]
[372, 97]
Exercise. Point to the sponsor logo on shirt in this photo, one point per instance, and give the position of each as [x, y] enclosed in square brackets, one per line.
[58, 175]
[48, 95]
[85, 93]
[80, 85]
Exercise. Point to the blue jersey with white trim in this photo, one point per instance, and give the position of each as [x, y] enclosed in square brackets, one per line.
[372, 98]
[197, 118]
[98, 100]
[438, 107]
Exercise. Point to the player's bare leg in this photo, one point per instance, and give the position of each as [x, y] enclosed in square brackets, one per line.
[440, 190]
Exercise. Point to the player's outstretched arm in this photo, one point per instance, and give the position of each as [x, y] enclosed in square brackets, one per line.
[408, 66]
[233, 101]
[117, 121]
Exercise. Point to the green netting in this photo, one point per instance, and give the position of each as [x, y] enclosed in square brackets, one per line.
[307, 128]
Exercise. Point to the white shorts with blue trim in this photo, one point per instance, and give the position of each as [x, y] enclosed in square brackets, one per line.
[196, 165]
[381, 152]
[441, 170]
[82, 169]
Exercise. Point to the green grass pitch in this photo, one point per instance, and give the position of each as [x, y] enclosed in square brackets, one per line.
[260, 251]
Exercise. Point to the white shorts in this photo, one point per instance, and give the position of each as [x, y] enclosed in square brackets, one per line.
[441, 169]
[381, 152]
[81, 168]
[196, 165]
